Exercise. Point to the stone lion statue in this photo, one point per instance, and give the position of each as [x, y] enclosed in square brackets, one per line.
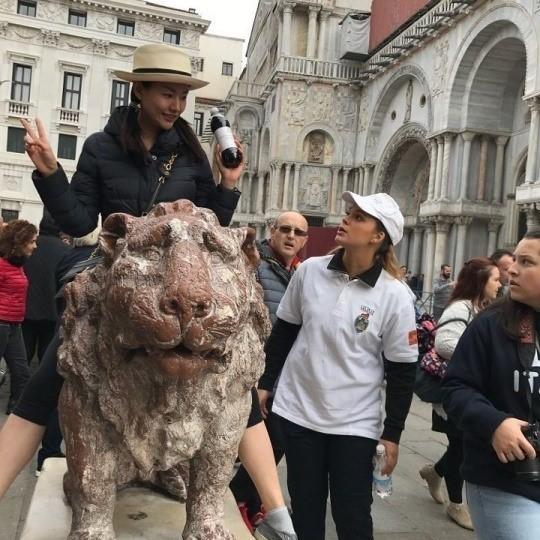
[162, 343]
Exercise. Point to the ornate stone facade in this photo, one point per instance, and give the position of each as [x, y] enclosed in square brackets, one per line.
[444, 116]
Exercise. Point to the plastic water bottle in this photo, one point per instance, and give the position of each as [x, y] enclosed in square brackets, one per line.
[230, 154]
[382, 483]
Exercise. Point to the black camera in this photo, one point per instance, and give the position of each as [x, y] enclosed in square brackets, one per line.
[528, 470]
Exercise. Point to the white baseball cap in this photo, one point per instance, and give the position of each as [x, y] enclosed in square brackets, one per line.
[382, 207]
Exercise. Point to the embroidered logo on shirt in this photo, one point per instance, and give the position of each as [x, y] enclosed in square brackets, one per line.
[362, 321]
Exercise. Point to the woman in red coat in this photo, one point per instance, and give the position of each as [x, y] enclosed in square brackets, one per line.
[17, 241]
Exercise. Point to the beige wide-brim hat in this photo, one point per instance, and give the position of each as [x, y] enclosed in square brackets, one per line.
[161, 63]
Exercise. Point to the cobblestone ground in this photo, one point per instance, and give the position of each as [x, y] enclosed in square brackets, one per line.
[409, 514]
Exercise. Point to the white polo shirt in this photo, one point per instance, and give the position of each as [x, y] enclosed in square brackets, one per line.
[332, 378]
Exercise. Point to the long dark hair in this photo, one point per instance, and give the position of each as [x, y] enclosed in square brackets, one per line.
[512, 312]
[130, 133]
[472, 280]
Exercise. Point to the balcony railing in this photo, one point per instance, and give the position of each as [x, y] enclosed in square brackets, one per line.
[69, 116]
[18, 108]
[324, 69]
[246, 89]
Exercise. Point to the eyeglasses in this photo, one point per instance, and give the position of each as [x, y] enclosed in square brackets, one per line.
[286, 229]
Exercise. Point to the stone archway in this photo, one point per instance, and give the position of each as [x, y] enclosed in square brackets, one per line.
[404, 173]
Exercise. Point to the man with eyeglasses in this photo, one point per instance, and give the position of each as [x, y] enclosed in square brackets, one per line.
[279, 260]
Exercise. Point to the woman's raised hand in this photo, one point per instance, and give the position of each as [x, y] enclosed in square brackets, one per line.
[38, 148]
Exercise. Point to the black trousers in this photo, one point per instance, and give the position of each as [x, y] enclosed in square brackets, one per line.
[241, 485]
[12, 349]
[318, 463]
[37, 336]
[448, 468]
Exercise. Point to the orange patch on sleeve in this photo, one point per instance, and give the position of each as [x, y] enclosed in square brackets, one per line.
[413, 338]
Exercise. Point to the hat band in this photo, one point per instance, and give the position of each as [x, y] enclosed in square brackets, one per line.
[159, 70]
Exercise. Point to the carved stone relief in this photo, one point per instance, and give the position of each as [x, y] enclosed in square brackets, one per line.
[72, 42]
[440, 68]
[317, 143]
[347, 109]
[27, 34]
[3, 29]
[296, 103]
[101, 46]
[51, 11]
[105, 22]
[8, 5]
[147, 30]
[314, 189]
[12, 182]
[189, 39]
[363, 119]
[122, 51]
[408, 101]
[321, 103]
[49, 37]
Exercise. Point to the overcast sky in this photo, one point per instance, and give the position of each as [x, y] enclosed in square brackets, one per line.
[229, 17]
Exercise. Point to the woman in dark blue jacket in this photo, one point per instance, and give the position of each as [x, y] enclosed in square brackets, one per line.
[143, 145]
[492, 394]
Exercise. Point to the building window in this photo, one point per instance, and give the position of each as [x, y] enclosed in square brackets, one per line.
[67, 146]
[198, 123]
[9, 215]
[120, 94]
[171, 36]
[20, 83]
[15, 140]
[227, 69]
[71, 93]
[126, 28]
[77, 18]
[26, 7]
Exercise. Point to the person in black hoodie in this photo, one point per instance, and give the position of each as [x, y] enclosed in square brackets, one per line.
[41, 315]
[147, 154]
[492, 393]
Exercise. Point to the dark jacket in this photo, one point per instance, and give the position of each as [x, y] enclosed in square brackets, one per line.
[40, 269]
[108, 180]
[486, 384]
[273, 277]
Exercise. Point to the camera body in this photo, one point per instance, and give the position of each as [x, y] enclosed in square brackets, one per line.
[528, 470]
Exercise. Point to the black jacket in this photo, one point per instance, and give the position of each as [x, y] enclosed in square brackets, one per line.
[485, 384]
[40, 270]
[273, 277]
[108, 180]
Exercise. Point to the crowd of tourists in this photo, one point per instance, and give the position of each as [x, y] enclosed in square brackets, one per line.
[344, 345]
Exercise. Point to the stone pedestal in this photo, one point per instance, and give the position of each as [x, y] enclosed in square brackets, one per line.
[139, 513]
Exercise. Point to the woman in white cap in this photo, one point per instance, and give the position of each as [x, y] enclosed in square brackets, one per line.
[345, 324]
[118, 171]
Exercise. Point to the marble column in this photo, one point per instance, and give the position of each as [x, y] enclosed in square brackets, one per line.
[499, 169]
[367, 179]
[344, 183]
[280, 37]
[287, 29]
[432, 169]
[482, 169]
[285, 200]
[404, 247]
[260, 193]
[250, 193]
[430, 256]
[461, 238]
[533, 217]
[465, 164]
[445, 180]
[439, 172]
[416, 256]
[312, 31]
[323, 25]
[334, 205]
[442, 226]
[493, 232]
[531, 174]
[296, 185]
[360, 185]
[275, 180]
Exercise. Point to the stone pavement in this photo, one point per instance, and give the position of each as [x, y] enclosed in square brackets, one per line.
[409, 514]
